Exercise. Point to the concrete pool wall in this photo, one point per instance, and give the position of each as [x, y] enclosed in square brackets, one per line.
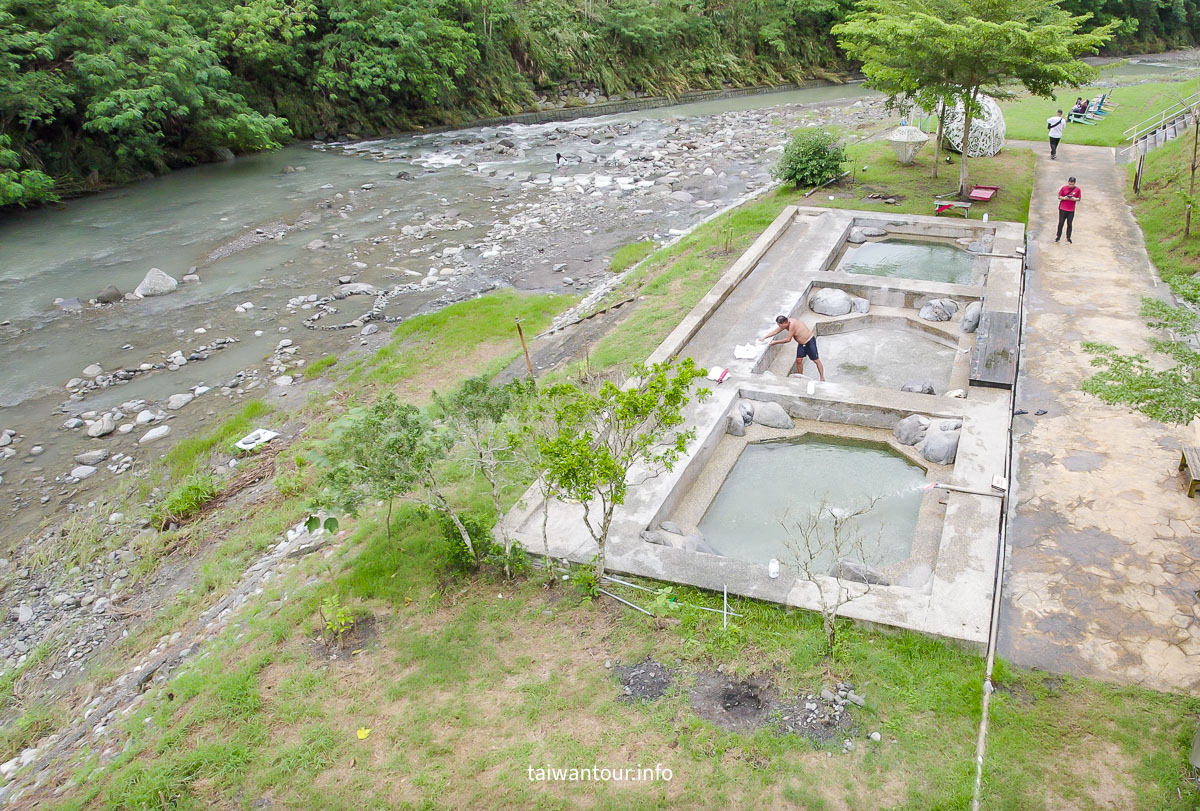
[945, 587]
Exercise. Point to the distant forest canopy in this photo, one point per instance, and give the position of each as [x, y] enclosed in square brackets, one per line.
[94, 92]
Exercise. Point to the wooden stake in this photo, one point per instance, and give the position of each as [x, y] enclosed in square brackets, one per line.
[525, 347]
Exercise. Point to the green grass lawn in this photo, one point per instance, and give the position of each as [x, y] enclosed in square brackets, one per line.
[914, 187]
[1025, 117]
[1160, 210]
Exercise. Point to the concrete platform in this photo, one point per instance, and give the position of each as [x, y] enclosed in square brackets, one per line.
[957, 530]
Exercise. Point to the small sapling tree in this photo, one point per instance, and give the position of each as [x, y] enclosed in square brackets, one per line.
[821, 536]
[533, 424]
[477, 414]
[605, 431]
[387, 451]
[811, 158]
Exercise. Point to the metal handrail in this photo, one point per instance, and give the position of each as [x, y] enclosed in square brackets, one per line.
[1140, 130]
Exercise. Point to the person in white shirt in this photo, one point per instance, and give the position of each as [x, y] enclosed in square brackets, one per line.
[1056, 124]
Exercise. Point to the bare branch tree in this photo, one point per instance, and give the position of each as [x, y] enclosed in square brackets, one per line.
[823, 535]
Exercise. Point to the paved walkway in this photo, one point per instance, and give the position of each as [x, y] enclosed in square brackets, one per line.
[1103, 570]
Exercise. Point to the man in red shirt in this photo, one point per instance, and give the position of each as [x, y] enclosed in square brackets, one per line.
[1068, 195]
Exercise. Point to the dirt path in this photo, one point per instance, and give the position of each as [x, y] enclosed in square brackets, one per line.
[1102, 575]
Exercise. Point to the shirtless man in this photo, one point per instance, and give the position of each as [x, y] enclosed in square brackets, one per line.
[805, 339]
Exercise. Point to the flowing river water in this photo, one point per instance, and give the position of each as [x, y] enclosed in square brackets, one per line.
[428, 219]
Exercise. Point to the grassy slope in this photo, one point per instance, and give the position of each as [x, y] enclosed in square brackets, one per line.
[1026, 117]
[1160, 212]
[469, 684]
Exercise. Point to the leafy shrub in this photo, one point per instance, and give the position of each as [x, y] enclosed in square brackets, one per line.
[456, 558]
[584, 578]
[811, 158]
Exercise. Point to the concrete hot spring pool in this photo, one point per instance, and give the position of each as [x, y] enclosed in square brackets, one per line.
[777, 488]
[922, 259]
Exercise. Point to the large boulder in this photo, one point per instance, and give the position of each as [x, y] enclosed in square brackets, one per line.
[746, 411]
[830, 301]
[873, 231]
[845, 569]
[919, 387]
[859, 304]
[773, 415]
[940, 447]
[911, 429]
[156, 283]
[109, 295]
[939, 309]
[856, 237]
[970, 319]
[102, 427]
[695, 543]
[92, 458]
[735, 426]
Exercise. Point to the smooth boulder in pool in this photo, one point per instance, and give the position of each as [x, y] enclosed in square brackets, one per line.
[939, 309]
[830, 301]
[940, 447]
[970, 319]
[773, 415]
[911, 429]
[920, 387]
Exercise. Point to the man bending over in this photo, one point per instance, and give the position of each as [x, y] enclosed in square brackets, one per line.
[806, 341]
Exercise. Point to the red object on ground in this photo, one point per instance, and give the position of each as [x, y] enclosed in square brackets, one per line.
[983, 193]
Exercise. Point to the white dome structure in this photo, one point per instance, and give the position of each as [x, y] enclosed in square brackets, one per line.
[906, 142]
[987, 129]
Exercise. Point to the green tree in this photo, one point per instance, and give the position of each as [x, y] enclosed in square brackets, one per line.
[970, 47]
[21, 186]
[605, 431]
[387, 451]
[477, 414]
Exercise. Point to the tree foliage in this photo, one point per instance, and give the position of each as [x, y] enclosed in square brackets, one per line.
[961, 49]
[604, 432]
[812, 157]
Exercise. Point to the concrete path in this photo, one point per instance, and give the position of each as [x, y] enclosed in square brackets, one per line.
[1103, 570]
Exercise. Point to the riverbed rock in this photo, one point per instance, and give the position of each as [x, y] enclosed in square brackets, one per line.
[156, 283]
[145, 416]
[82, 472]
[773, 415]
[940, 447]
[102, 427]
[70, 305]
[178, 401]
[682, 197]
[938, 309]
[911, 429]
[354, 289]
[317, 244]
[154, 434]
[283, 380]
[91, 371]
[919, 387]
[110, 295]
[369, 329]
[92, 457]
[970, 319]
[830, 301]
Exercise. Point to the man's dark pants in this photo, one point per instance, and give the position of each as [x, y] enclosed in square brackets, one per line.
[1069, 218]
[1054, 146]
